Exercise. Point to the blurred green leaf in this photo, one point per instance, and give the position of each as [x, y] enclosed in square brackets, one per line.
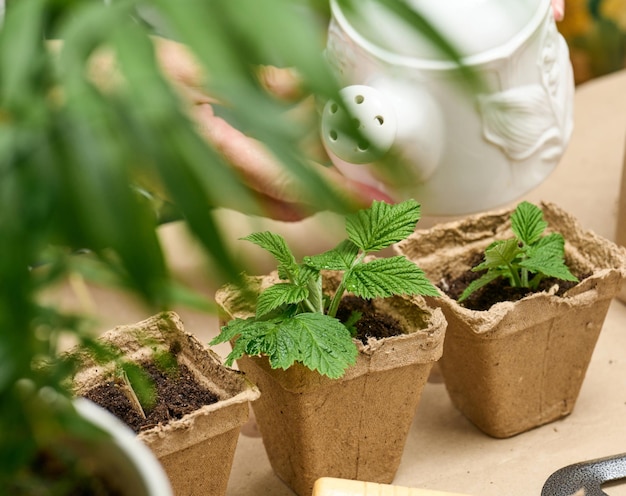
[98, 166]
[20, 50]
[420, 24]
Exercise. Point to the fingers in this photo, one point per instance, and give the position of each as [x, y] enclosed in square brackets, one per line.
[258, 168]
[279, 210]
[558, 9]
[284, 83]
[281, 193]
[181, 68]
[272, 208]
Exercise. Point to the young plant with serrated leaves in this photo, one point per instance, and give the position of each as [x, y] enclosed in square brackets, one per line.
[525, 259]
[296, 322]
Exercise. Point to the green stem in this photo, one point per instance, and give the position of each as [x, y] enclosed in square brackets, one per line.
[524, 281]
[517, 282]
[310, 307]
[334, 303]
[315, 301]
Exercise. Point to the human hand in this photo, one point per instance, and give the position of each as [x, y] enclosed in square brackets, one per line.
[278, 192]
[558, 9]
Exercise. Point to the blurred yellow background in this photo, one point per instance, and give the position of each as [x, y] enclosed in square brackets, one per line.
[595, 31]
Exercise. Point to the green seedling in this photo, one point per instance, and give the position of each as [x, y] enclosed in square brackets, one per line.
[138, 386]
[296, 322]
[135, 382]
[525, 259]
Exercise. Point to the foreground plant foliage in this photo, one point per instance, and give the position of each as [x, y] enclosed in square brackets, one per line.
[77, 159]
[295, 321]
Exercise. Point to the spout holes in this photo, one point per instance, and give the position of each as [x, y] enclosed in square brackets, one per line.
[334, 108]
[356, 122]
[359, 99]
[333, 135]
[363, 145]
[379, 119]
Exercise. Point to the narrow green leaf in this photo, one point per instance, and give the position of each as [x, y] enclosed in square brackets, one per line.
[313, 283]
[141, 384]
[289, 31]
[471, 78]
[278, 295]
[342, 257]
[277, 246]
[476, 284]
[190, 298]
[219, 35]
[22, 51]
[527, 222]
[382, 224]
[389, 276]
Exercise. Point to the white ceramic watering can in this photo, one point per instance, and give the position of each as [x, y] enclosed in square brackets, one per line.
[465, 152]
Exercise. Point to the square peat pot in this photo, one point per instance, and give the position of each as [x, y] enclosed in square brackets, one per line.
[197, 450]
[519, 364]
[354, 427]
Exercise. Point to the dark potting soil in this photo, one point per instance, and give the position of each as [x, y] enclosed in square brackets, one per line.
[498, 290]
[371, 323]
[177, 395]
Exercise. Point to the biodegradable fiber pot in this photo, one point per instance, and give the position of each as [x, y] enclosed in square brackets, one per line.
[196, 451]
[520, 364]
[354, 427]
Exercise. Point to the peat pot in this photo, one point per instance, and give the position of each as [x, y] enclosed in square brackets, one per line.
[197, 450]
[354, 427]
[519, 364]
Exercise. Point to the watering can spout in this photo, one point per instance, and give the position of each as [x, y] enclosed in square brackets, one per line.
[382, 118]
